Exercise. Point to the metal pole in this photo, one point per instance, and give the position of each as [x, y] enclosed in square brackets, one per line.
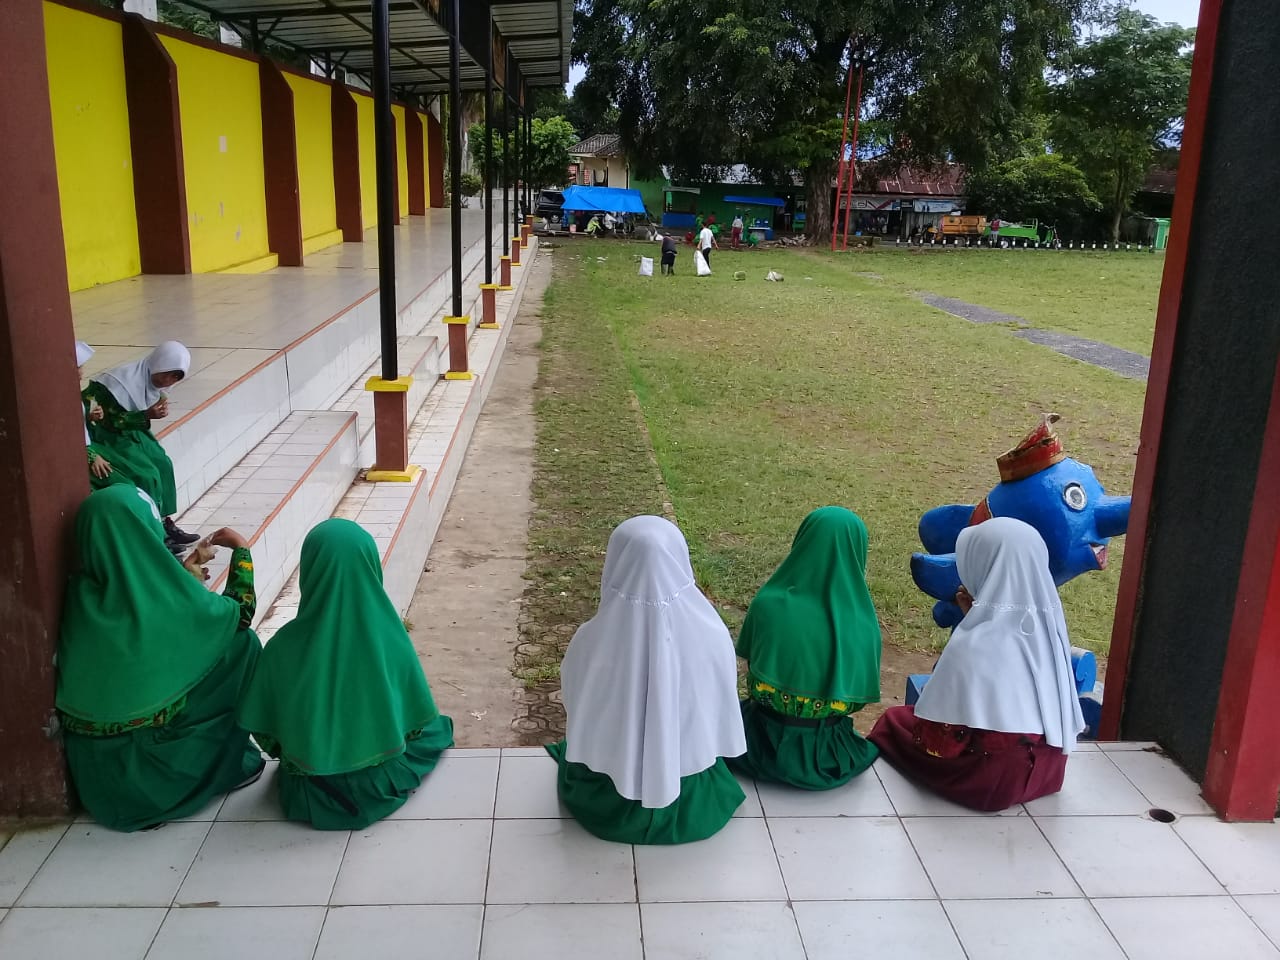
[528, 165]
[383, 131]
[853, 157]
[506, 172]
[844, 143]
[488, 170]
[455, 155]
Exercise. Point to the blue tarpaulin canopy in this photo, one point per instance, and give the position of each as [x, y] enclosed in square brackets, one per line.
[603, 200]
[756, 201]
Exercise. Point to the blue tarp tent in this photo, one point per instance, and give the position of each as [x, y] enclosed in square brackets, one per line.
[603, 200]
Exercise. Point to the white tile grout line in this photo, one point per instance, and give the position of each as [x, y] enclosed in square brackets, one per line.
[45, 859]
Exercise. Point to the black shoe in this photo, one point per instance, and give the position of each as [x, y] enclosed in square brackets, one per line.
[174, 535]
[252, 778]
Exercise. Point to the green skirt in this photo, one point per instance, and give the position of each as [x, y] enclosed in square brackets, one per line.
[138, 457]
[153, 774]
[705, 804]
[809, 756]
[352, 801]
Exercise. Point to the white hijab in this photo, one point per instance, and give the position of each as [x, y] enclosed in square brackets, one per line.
[650, 683]
[84, 353]
[130, 383]
[1007, 666]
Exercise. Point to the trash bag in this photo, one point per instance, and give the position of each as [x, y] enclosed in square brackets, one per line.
[700, 262]
[773, 276]
[646, 266]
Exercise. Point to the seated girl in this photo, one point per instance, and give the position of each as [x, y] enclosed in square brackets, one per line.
[101, 473]
[650, 691]
[150, 667]
[996, 721]
[339, 696]
[811, 640]
[129, 397]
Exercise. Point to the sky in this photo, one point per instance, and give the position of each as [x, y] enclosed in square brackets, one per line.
[1184, 12]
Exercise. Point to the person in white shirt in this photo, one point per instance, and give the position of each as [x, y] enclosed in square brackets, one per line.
[736, 229]
[707, 240]
[609, 222]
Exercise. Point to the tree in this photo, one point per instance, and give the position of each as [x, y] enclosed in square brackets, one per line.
[586, 117]
[552, 139]
[1119, 98]
[1045, 187]
[703, 84]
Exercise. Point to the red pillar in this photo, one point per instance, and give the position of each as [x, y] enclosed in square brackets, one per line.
[504, 273]
[346, 165]
[459, 365]
[435, 160]
[414, 161]
[43, 477]
[280, 165]
[515, 251]
[489, 299]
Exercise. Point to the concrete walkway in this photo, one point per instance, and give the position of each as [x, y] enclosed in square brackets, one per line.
[1126, 363]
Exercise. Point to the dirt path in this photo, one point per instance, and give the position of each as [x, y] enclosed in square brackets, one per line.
[465, 610]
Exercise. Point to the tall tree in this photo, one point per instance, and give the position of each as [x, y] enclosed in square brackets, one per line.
[1119, 99]
[702, 84]
[549, 158]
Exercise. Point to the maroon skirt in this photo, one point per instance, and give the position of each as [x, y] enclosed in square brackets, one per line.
[979, 769]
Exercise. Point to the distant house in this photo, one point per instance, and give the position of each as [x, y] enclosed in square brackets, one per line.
[600, 161]
[901, 200]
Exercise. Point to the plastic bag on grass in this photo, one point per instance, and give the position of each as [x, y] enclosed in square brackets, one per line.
[646, 266]
[700, 262]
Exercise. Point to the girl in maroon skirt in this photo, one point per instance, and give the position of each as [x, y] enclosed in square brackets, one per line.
[995, 723]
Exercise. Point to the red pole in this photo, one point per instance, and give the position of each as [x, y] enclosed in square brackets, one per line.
[853, 155]
[844, 142]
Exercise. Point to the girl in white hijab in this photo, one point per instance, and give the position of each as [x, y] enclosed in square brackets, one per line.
[1000, 714]
[650, 691]
[129, 397]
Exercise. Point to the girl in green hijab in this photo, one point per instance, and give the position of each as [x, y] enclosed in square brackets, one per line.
[811, 640]
[339, 695]
[150, 667]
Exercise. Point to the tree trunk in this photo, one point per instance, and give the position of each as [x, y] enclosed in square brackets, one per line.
[818, 206]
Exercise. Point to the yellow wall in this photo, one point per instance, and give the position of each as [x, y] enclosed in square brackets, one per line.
[221, 110]
[368, 169]
[91, 145]
[313, 121]
[402, 160]
[426, 158]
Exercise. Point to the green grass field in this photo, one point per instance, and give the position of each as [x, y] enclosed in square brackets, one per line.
[747, 404]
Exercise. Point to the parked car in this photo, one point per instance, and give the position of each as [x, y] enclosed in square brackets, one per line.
[550, 206]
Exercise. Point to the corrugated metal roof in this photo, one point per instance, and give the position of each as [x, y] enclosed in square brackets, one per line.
[599, 145]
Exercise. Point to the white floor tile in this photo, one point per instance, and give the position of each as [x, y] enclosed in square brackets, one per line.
[989, 859]
[910, 800]
[264, 864]
[565, 931]
[1021, 929]
[1265, 911]
[1125, 746]
[43, 934]
[242, 933]
[863, 796]
[392, 862]
[459, 788]
[378, 933]
[1161, 780]
[750, 807]
[1128, 857]
[1185, 928]
[903, 930]
[22, 856]
[527, 787]
[720, 931]
[1244, 856]
[808, 849]
[258, 801]
[738, 863]
[1094, 786]
[526, 752]
[557, 861]
[96, 867]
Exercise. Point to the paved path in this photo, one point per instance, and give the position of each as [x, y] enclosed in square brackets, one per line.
[1124, 362]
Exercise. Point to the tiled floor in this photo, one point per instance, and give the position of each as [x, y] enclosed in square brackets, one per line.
[483, 862]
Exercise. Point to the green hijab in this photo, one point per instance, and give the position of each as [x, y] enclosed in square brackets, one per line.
[812, 629]
[138, 631]
[339, 686]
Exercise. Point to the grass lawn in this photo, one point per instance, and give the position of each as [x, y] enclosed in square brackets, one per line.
[1108, 296]
[747, 404]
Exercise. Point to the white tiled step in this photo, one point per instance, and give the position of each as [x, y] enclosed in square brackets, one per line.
[422, 358]
[289, 483]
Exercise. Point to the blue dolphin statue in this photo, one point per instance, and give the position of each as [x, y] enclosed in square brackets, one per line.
[1041, 486]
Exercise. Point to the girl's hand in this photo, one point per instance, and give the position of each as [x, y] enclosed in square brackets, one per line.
[226, 537]
[96, 413]
[100, 468]
[964, 600]
[159, 410]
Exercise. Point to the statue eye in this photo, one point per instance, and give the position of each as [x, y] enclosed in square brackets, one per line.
[1073, 496]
